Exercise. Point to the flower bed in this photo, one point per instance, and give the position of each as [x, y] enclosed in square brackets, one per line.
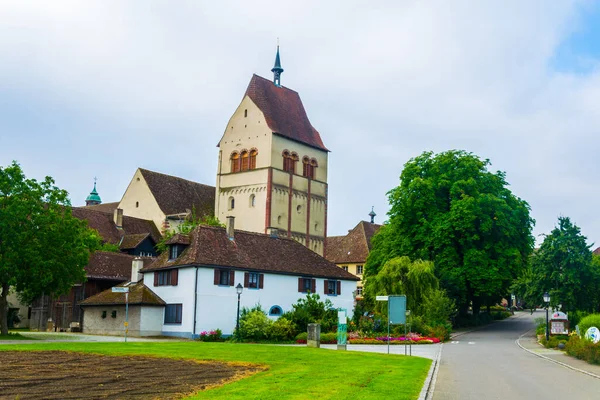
[414, 339]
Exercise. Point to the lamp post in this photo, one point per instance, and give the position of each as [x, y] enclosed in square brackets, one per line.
[238, 290]
[547, 301]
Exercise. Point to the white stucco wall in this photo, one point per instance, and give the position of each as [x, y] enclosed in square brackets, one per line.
[151, 321]
[94, 324]
[217, 305]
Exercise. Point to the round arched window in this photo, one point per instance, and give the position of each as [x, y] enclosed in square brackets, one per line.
[275, 311]
[252, 200]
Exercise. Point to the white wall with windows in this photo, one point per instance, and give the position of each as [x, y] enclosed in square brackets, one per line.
[216, 304]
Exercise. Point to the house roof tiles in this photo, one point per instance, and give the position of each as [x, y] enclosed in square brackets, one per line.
[283, 111]
[139, 294]
[210, 246]
[354, 247]
[109, 265]
[177, 195]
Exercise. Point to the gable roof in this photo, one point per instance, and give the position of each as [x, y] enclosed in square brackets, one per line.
[132, 241]
[597, 251]
[177, 195]
[211, 247]
[109, 265]
[283, 111]
[354, 247]
[104, 223]
[139, 294]
[105, 207]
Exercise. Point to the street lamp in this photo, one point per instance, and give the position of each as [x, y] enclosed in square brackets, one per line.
[238, 290]
[547, 301]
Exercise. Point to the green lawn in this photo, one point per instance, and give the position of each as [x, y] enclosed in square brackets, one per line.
[13, 336]
[294, 372]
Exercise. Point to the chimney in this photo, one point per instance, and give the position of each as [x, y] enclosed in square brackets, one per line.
[230, 225]
[273, 232]
[119, 218]
[136, 265]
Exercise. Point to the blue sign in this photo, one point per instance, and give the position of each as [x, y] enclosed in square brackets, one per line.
[397, 309]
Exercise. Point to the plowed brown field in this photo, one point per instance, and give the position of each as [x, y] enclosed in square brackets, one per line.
[67, 375]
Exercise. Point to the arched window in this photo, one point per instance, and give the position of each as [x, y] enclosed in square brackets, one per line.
[253, 154]
[286, 161]
[275, 311]
[231, 203]
[313, 168]
[252, 200]
[235, 162]
[305, 166]
[245, 160]
[293, 162]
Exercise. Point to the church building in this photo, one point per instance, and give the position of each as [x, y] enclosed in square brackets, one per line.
[272, 170]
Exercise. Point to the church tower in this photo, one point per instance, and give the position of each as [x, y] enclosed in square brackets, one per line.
[93, 199]
[272, 171]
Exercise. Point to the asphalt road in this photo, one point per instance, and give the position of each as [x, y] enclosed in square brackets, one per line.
[488, 364]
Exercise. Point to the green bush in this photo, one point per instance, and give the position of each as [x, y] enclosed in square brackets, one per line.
[254, 324]
[326, 338]
[312, 310]
[441, 331]
[575, 317]
[583, 349]
[437, 307]
[500, 315]
[589, 321]
[282, 330]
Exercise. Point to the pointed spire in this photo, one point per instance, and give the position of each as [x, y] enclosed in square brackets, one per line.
[277, 70]
[372, 215]
[93, 198]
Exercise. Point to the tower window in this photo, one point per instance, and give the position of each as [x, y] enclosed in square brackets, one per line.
[252, 200]
[245, 161]
[253, 154]
[313, 168]
[137, 204]
[235, 162]
[231, 203]
[245, 113]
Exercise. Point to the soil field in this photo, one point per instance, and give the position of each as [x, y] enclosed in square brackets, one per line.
[67, 375]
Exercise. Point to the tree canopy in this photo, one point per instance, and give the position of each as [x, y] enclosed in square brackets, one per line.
[564, 267]
[449, 209]
[43, 248]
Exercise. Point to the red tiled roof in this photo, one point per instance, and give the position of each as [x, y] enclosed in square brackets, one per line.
[597, 251]
[210, 246]
[108, 265]
[176, 195]
[283, 111]
[354, 247]
[139, 294]
[132, 241]
[103, 222]
[104, 207]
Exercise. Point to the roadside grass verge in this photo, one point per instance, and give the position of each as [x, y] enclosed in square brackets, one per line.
[13, 336]
[294, 372]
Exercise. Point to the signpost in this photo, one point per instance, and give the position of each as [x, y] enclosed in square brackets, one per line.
[396, 313]
[342, 337]
[125, 290]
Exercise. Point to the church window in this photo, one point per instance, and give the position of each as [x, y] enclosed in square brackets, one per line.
[245, 113]
[286, 161]
[253, 154]
[305, 166]
[137, 204]
[245, 161]
[252, 200]
[295, 159]
[231, 203]
[235, 162]
[313, 168]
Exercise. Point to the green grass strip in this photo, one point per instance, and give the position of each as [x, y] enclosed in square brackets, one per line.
[294, 372]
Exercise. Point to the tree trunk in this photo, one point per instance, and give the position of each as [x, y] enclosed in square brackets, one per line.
[476, 305]
[4, 310]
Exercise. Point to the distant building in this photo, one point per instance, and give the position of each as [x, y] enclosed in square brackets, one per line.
[350, 252]
[93, 199]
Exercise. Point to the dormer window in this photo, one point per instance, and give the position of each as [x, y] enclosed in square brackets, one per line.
[175, 251]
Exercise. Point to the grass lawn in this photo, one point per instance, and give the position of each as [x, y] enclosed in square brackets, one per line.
[13, 336]
[294, 372]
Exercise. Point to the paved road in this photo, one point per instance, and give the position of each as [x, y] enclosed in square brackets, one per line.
[488, 364]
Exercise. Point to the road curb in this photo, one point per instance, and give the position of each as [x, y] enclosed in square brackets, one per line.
[429, 384]
[518, 342]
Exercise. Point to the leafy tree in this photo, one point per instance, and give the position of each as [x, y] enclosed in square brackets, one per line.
[186, 227]
[563, 266]
[451, 210]
[43, 248]
[312, 310]
[400, 275]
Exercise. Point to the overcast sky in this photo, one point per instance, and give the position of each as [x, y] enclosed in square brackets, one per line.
[99, 88]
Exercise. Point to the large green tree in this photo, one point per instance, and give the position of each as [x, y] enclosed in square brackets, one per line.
[564, 267]
[43, 248]
[451, 210]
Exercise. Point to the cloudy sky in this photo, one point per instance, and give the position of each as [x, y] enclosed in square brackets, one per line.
[99, 88]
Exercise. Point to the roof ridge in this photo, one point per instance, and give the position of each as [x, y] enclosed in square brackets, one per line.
[270, 81]
[176, 177]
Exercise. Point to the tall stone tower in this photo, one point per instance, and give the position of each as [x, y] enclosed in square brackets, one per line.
[272, 170]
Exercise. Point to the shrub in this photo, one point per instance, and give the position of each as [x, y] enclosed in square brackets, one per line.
[588, 322]
[583, 349]
[211, 336]
[254, 325]
[438, 308]
[440, 331]
[575, 317]
[326, 338]
[312, 310]
[282, 330]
